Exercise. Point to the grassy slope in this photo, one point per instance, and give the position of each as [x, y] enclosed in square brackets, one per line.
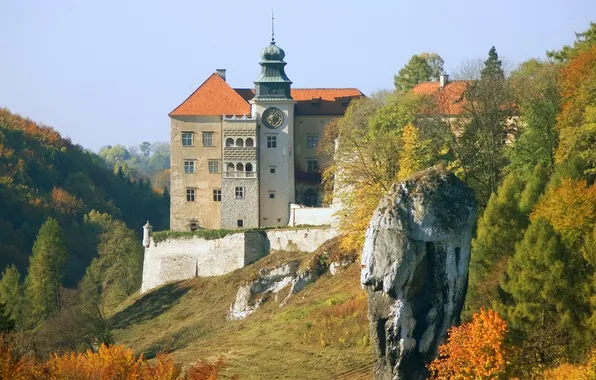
[322, 333]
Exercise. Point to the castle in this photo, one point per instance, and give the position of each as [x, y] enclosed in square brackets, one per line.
[245, 158]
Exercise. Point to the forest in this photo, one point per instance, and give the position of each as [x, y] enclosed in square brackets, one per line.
[522, 137]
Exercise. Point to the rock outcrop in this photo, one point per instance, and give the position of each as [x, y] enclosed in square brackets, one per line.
[415, 269]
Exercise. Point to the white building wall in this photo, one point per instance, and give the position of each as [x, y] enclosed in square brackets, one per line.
[276, 211]
[314, 216]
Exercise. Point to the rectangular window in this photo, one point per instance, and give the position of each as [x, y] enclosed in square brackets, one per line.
[272, 169]
[189, 166]
[213, 166]
[271, 141]
[312, 141]
[186, 138]
[272, 195]
[216, 195]
[239, 192]
[207, 138]
[312, 166]
[240, 223]
[190, 195]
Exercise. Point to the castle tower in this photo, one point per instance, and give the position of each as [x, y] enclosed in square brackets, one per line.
[274, 107]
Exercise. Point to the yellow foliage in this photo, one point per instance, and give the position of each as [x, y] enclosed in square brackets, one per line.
[570, 208]
[586, 371]
[415, 155]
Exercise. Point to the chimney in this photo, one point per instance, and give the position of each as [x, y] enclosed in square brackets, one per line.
[221, 73]
[443, 79]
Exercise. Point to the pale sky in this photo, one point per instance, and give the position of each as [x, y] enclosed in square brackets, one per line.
[109, 72]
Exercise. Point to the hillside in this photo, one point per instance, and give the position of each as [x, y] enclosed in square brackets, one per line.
[321, 333]
[44, 175]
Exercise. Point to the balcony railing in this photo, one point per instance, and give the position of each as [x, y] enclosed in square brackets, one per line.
[240, 174]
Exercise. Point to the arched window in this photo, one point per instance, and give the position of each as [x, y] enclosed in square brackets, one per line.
[230, 167]
[239, 142]
[240, 167]
[248, 167]
[229, 141]
[250, 142]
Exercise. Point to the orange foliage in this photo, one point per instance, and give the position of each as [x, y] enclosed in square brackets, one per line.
[113, 362]
[473, 350]
[570, 208]
[41, 133]
[64, 202]
[567, 371]
[577, 86]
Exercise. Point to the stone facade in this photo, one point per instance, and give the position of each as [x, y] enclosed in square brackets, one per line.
[240, 208]
[181, 259]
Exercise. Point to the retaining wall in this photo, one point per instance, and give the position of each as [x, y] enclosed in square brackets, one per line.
[184, 258]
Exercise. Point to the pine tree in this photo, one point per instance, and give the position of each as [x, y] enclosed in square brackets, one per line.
[534, 188]
[492, 66]
[6, 323]
[45, 271]
[500, 227]
[11, 292]
[545, 287]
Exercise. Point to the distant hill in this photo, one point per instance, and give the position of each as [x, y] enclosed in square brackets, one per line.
[44, 175]
[321, 333]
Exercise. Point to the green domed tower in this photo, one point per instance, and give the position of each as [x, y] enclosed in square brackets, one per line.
[272, 83]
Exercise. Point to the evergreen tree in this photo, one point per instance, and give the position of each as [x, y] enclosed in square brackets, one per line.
[544, 285]
[46, 266]
[6, 323]
[535, 186]
[492, 66]
[500, 227]
[11, 292]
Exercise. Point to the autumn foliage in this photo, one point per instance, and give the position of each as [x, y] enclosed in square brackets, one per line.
[474, 350]
[113, 362]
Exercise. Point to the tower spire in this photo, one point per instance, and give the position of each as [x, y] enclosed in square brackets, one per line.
[272, 27]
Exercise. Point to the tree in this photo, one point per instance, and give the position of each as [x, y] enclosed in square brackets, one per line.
[583, 40]
[366, 161]
[545, 289]
[6, 323]
[46, 267]
[577, 120]
[11, 293]
[145, 148]
[538, 101]
[535, 187]
[415, 154]
[420, 68]
[474, 350]
[486, 124]
[500, 227]
[492, 67]
[570, 208]
[120, 263]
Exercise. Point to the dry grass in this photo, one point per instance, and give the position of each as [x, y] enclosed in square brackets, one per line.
[320, 334]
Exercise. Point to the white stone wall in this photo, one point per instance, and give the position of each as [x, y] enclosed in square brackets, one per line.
[181, 259]
[314, 216]
[307, 240]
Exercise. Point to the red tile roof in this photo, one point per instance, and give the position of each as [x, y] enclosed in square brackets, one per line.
[213, 97]
[316, 101]
[449, 99]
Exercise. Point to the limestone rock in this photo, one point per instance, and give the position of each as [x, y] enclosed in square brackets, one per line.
[251, 296]
[415, 269]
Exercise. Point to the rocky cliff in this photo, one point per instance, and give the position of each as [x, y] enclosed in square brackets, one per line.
[415, 269]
